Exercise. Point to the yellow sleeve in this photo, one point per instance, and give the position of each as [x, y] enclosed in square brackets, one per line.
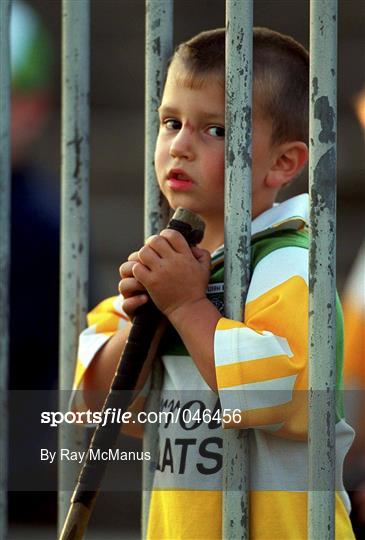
[261, 364]
[103, 322]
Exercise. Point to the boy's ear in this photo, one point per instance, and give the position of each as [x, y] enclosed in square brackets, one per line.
[289, 160]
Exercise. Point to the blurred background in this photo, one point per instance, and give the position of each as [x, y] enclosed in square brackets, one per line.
[116, 181]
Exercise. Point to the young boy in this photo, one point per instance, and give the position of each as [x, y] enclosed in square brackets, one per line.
[258, 369]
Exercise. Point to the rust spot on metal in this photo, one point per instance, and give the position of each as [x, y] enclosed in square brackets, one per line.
[324, 173]
[314, 88]
[76, 198]
[230, 156]
[244, 513]
[156, 46]
[158, 87]
[323, 197]
[156, 24]
[326, 115]
[76, 142]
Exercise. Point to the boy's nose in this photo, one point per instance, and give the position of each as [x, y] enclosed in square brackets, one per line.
[181, 145]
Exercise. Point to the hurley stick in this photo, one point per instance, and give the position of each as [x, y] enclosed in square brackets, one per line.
[145, 324]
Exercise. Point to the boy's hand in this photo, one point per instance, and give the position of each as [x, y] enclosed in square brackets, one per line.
[173, 274]
[133, 291]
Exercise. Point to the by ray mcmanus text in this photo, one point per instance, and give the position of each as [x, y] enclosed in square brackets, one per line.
[93, 454]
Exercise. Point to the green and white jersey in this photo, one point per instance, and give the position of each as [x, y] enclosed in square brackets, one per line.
[262, 377]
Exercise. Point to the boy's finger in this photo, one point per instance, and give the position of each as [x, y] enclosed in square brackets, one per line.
[149, 257]
[125, 270]
[130, 286]
[131, 304]
[141, 272]
[160, 245]
[150, 238]
[176, 241]
[201, 255]
[133, 256]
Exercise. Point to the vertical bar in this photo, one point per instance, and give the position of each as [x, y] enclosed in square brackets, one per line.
[322, 269]
[159, 28]
[159, 32]
[74, 218]
[4, 251]
[237, 239]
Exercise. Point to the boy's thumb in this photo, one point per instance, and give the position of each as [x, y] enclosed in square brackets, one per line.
[202, 255]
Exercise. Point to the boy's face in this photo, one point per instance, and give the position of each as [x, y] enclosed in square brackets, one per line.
[189, 156]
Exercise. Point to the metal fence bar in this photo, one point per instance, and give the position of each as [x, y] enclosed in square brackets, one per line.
[322, 268]
[159, 29]
[5, 79]
[74, 217]
[237, 239]
[159, 33]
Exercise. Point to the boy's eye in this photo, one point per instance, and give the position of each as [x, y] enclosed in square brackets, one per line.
[171, 123]
[216, 131]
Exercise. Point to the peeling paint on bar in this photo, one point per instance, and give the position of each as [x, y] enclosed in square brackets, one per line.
[4, 251]
[322, 270]
[237, 226]
[159, 32]
[74, 218]
[159, 25]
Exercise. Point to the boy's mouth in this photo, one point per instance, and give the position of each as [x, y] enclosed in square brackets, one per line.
[178, 180]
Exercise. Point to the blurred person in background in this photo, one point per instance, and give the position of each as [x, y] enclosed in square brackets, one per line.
[354, 371]
[34, 208]
[34, 259]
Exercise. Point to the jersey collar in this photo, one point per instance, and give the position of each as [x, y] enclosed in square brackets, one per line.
[291, 214]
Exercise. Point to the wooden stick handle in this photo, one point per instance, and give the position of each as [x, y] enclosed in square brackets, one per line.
[144, 327]
[76, 522]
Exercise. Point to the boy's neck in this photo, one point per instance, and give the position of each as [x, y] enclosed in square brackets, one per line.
[213, 236]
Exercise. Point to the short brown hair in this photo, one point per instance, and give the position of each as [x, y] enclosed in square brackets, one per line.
[281, 76]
